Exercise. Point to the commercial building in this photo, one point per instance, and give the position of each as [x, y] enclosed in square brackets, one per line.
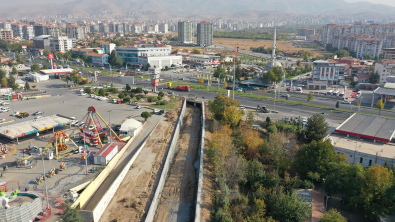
[185, 32]
[131, 54]
[76, 32]
[161, 61]
[328, 70]
[205, 59]
[61, 43]
[204, 33]
[98, 59]
[131, 127]
[42, 42]
[385, 68]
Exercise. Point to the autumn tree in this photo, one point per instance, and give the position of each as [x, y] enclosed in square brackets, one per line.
[4, 82]
[310, 97]
[333, 215]
[380, 105]
[226, 109]
[225, 84]
[201, 80]
[250, 118]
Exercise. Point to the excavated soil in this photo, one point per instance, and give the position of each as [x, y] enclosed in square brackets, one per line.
[130, 201]
[177, 201]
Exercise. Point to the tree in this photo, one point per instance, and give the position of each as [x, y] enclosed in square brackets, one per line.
[333, 216]
[225, 84]
[367, 57]
[139, 90]
[150, 99]
[15, 86]
[210, 82]
[201, 80]
[19, 58]
[315, 157]
[95, 51]
[88, 90]
[118, 61]
[356, 103]
[264, 90]
[161, 94]
[221, 102]
[132, 95]
[47, 52]
[14, 71]
[121, 95]
[71, 215]
[196, 51]
[374, 78]
[310, 97]
[145, 115]
[145, 92]
[126, 99]
[250, 118]
[275, 74]
[101, 92]
[220, 73]
[337, 104]
[112, 58]
[11, 81]
[342, 53]
[317, 128]
[45, 66]
[35, 68]
[380, 105]
[138, 97]
[268, 121]
[128, 88]
[4, 82]
[329, 48]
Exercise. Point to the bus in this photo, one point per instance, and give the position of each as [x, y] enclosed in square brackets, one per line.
[329, 93]
[335, 93]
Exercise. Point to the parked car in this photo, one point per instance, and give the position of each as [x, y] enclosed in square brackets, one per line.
[23, 114]
[304, 119]
[37, 117]
[38, 113]
[139, 107]
[83, 94]
[2, 120]
[4, 109]
[255, 88]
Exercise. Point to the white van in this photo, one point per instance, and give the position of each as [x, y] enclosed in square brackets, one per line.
[4, 109]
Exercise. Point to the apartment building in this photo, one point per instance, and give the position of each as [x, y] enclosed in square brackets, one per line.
[61, 43]
[98, 59]
[388, 53]
[385, 68]
[163, 28]
[28, 32]
[185, 32]
[131, 54]
[17, 29]
[204, 33]
[305, 32]
[104, 28]
[107, 47]
[328, 70]
[360, 45]
[6, 34]
[76, 32]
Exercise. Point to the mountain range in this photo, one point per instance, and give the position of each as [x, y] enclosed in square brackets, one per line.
[174, 8]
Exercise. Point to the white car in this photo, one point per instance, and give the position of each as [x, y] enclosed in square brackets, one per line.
[304, 119]
[83, 94]
[37, 117]
[15, 113]
[2, 120]
[346, 102]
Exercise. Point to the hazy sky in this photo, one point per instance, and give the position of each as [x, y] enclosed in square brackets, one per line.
[385, 2]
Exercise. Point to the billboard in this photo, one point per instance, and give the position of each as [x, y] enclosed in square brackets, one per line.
[50, 56]
[154, 82]
[155, 76]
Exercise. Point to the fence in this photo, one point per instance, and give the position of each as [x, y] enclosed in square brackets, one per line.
[25, 212]
[166, 166]
[200, 171]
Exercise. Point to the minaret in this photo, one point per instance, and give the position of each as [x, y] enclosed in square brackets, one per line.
[274, 47]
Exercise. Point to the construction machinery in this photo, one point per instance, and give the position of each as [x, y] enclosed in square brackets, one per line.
[183, 88]
[262, 109]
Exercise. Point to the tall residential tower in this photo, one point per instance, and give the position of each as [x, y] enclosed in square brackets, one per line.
[185, 32]
[204, 33]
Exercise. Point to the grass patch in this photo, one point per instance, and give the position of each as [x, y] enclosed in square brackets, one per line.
[170, 105]
[103, 72]
[142, 78]
[345, 117]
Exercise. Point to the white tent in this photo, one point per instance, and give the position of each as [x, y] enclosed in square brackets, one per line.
[131, 127]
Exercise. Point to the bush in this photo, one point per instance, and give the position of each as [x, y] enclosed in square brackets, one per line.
[106, 94]
[145, 115]
[145, 92]
[150, 99]
[159, 98]
[87, 90]
[126, 94]
[114, 90]
[132, 95]
[139, 90]
[161, 103]
[101, 92]
[161, 94]
[126, 99]
[272, 129]
[138, 98]
[307, 184]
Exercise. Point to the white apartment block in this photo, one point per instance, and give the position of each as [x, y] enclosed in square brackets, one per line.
[61, 44]
[76, 32]
[385, 68]
[136, 28]
[17, 29]
[28, 32]
[131, 54]
[360, 45]
[185, 32]
[204, 33]
[163, 28]
[328, 71]
[108, 47]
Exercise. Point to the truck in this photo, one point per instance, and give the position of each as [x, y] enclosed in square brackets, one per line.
[262, 109]
[183, 88]
[170, 85]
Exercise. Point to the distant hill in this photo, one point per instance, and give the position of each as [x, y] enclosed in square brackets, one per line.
[171, 8]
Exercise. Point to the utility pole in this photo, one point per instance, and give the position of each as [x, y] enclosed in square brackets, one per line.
[45, 181]
[109, 111]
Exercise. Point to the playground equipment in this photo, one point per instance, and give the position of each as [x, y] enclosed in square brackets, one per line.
[92, 131]
[4, 201]
[59, 143]
[23, 160]
[31, 147]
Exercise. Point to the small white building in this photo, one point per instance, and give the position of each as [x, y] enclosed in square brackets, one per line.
[131, 127]
[161, 61]
[105, 154]
[37, 77]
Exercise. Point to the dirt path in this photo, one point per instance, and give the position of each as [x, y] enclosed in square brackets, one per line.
[130, 200]
[178, 197]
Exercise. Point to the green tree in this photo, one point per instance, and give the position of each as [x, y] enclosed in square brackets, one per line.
[196, 51]
[329, 48]
[380, 105]
[128, 88]
[101, 92]
[15, 86]
[19, 58]
[310, 97]
[114, 90]
[145, 92]
[95, 51]
[47, 52]
[4, 82]
[333, 216]
[145, 115]
[138, 97]
[11, 81]
[226, 109]
[315, 157]
[132, 95]
[317, 127]
[14, 71]
[342, 53]
[71, 215]
[161, 94]
[338, 104]
[112, 58]
[35, 68]
[150, 99]
[374, 78]
[118, 61]
[275, 74]
[220, 73]
[88, 90]
[126, 99]
[121, 95]
[367, 57]
[45, 66]
[139, 90]
[250, 118]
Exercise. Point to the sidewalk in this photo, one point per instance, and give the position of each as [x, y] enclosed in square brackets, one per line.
[318, 204]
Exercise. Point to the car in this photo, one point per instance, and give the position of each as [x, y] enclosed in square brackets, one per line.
[285, 95]
[304, 119]
[75, 123]
[161, 112]
[346, 102]
[91, 127]
[83, 94]
[239, 90]
[38, 113]
[170, 93]
[139, 107]
[23, 114]
[2, 120]
[287, 119]
[15, 113]
[243, 108]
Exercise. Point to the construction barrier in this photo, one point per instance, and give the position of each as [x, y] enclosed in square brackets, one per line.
[200, 171]
[166, 166]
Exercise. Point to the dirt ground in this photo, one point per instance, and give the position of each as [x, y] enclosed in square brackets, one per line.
[178, 197]
[129, 202]
[246, 44]
[208, 176]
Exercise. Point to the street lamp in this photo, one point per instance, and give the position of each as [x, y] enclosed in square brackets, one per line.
[109, 111]
[45, 181]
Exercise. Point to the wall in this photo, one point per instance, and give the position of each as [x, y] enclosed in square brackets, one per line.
[200, 170]
[25, 212]
[166, 166]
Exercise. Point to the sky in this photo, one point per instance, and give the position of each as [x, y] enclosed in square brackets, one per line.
[385, 2]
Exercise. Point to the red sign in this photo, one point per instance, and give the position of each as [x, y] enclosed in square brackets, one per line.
[54, 65]
[154, 82]
[50, 56]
